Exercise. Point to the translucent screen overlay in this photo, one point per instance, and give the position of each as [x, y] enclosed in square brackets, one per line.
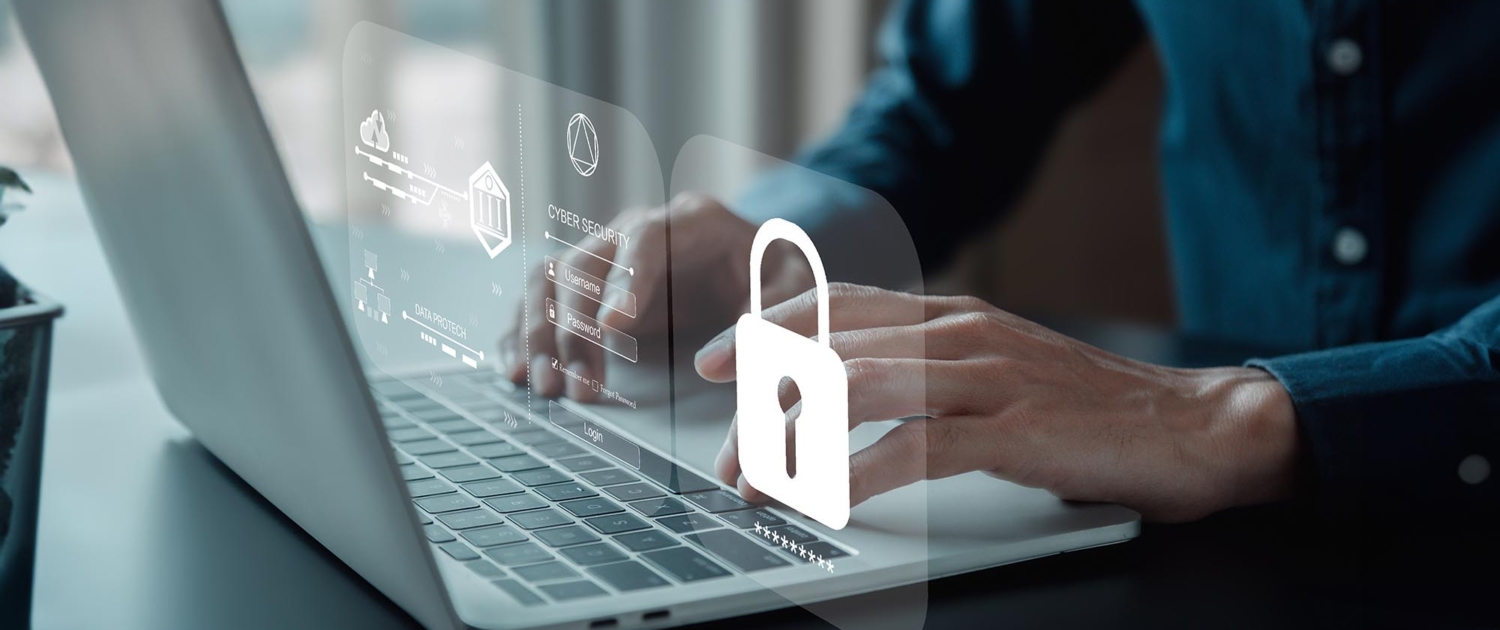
[499, 220]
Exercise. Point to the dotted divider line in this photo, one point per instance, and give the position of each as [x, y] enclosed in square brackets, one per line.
[525, 261]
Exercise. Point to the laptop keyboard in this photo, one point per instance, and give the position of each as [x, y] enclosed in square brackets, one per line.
[547, 519]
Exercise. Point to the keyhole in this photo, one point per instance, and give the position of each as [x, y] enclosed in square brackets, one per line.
[787, 396]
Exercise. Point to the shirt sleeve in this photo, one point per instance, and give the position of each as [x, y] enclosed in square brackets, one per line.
[1403, 424]
[950, 128]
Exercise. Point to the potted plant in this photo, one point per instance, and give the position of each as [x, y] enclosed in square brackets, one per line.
[25, 349]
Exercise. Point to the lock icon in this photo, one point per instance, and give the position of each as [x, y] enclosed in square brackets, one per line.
[764, 353]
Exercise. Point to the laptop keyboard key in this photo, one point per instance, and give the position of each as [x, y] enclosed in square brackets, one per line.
[419, 404]
[469, 473]
[458, 425]
[492, 488]
[565, 536]
[617, 523]
[426, 447]
[539, 519]
[408, 434]
[533, 438]
[635, 491]
[790, 532]
[597, 553]
[470, 519]
[609, 477]
[736, 549]
[546, 571]
[445, 503]
[628, 576]
[516, 555]
[646, 541]
[566, 491]
[591, 507]
[680, 480]
[485, 568]
[435, 414]
[559, 449]
[459, 551]
[583, 464]
[660, 506]
[825, 549]
[515, 503]
[517, 463]
[493, 536]
[717, 501]
[572, 590]
[519, 593]
[411, 472]
[427, 488]
[508, 422]
[686, 565]
[495, 449]
[541, 477]
[437, 534]
[475, 438]
[688, 523]
[447, 460]
[751, 518]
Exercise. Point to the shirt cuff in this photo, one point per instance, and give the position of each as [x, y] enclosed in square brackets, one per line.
[1387, 424]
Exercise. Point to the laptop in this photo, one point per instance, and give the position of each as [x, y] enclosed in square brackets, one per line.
[464, 500]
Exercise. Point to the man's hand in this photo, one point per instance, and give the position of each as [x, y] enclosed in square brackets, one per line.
[1023, 403]
[710, 256]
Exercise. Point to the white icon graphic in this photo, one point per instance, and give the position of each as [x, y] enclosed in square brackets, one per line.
[764, 354]
[489, 210]
[583, 145]
[372, 132]
[381, 310]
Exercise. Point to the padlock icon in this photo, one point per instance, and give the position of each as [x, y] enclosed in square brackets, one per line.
[764, 354]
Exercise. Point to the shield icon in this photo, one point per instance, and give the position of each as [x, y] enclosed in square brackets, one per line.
[489, 210]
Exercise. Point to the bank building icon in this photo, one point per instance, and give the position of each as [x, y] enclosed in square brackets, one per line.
[489, 210]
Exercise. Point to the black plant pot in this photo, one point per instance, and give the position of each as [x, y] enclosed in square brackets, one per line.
[25, 353]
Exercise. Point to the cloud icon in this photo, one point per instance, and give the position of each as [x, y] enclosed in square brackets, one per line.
[372, 132]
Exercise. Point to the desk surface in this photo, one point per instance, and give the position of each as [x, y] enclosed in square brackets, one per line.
[142, 528]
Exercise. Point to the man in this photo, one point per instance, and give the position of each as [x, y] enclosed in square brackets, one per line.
[1332, 177]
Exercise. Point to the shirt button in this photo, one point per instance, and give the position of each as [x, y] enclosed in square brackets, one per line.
[1344, 57]
[1350, 246]
[1474, 469]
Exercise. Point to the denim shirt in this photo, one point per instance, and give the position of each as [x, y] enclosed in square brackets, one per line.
[1331, 171]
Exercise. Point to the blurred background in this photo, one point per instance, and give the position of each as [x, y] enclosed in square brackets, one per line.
[772, 75]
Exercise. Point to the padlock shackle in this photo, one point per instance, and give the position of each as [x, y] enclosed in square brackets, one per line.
[782, 229]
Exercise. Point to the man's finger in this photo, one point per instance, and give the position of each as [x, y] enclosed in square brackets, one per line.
[852, 308]
[636, 275]
[915, 450]
[728, 466]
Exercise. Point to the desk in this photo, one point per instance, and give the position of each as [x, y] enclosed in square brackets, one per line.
[142, 528]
